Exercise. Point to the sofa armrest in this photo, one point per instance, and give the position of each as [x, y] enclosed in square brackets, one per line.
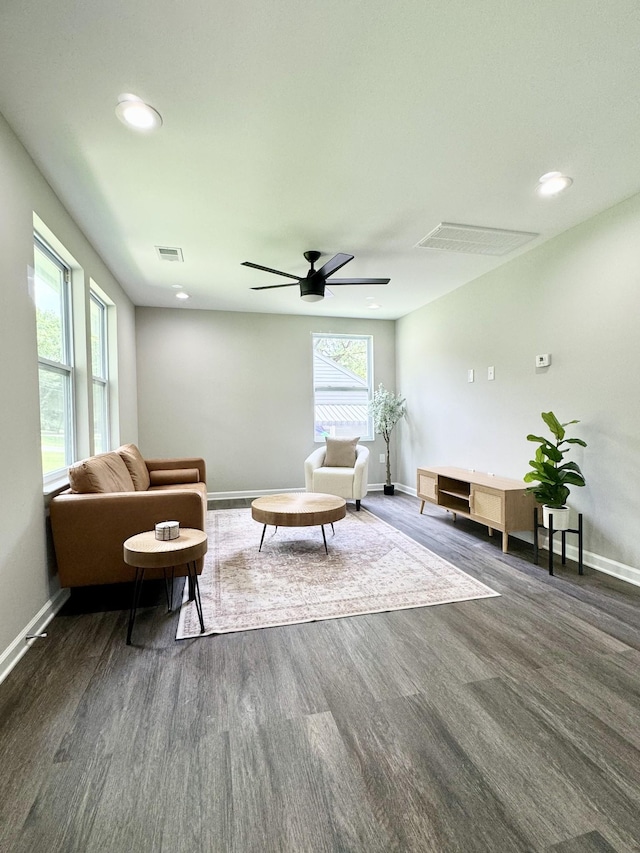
[315, 460]
[178, 462]
[90, 529]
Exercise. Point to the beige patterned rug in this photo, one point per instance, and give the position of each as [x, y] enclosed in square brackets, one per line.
[371, 567]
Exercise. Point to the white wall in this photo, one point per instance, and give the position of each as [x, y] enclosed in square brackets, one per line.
[576, 297]
[27, 583]
[237, 389]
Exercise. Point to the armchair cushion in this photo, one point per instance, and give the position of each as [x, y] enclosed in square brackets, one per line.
[136, 466]
[341, 452]
[105, 472]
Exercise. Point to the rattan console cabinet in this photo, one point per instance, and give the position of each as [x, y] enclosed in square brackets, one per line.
[498, 502]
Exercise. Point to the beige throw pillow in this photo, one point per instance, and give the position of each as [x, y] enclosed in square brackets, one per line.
[103, 473]
[136, 466]
[341, 452]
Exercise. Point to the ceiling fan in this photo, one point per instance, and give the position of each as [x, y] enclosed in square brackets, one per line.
[312, 285]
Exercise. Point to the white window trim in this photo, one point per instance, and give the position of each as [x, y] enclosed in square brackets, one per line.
[370, 436]
[103, 380]
[66, 368]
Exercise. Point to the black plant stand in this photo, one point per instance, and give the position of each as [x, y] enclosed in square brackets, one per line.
[578, 530]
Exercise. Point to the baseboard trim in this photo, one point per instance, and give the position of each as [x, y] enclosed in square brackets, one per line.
[21, 645]
[601, 564]
[258, 493]
[595, 561]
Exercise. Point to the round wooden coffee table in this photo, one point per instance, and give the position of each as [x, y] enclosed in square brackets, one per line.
[298, 509]
[144, 551]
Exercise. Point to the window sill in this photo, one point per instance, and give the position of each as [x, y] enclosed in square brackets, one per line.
[54, 487]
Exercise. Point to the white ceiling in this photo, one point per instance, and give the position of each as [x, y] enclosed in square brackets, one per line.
[339, 125]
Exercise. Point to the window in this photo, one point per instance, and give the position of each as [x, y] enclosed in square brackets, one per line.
[55, 359]
[342, 383]
[99, 373]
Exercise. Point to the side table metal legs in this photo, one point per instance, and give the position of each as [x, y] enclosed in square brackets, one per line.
[194, 595]
[137, 589]
[194, 591]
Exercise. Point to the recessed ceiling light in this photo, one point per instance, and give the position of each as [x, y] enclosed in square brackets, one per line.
[133, 112]
[553, 183]
[182, 295]
[374, 305]
[177, 286]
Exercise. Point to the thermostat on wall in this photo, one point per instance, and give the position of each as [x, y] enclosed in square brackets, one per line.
[543, 360]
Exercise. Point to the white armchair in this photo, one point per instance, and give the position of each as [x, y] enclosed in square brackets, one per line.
[347, 483]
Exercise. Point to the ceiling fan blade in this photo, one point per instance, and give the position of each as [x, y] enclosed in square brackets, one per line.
[333, 281]
[271, 286]
[334, 264]
[268, 269]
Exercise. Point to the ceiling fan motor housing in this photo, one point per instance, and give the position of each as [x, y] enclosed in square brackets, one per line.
[312, 288]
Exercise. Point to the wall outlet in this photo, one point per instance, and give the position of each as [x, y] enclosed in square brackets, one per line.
[381, 458]
[491, 373]
[470, 375]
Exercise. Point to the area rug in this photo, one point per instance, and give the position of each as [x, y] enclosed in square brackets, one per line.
[371, 567]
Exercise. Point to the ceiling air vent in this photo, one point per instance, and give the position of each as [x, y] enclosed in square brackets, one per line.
[166, 253]
[474, 240]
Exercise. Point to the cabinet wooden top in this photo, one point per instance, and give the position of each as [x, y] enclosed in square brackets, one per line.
[478, 478]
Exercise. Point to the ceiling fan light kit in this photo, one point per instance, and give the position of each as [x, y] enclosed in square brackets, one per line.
[312, 286]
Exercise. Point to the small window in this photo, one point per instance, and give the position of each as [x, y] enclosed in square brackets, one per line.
[99, 373]
[342, 383]
[55, 359]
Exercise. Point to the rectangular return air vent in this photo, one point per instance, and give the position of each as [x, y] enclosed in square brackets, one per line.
[166, 253]
[474, 240]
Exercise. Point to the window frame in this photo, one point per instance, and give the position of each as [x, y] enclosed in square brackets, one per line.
[61, 368]
[101, 381]
[368, 339]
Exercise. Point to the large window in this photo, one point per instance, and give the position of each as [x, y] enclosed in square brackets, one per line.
[342, 383]
[55, 359]
[99, 373]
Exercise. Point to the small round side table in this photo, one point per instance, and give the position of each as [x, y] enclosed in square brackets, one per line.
[143, 551]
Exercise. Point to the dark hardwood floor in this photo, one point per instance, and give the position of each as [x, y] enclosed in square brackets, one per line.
[504, 724]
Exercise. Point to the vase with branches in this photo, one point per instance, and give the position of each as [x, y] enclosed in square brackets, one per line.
[386, 410]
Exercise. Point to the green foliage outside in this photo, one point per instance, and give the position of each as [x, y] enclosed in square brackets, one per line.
[49, 324]
[553, 478]
[349, 352]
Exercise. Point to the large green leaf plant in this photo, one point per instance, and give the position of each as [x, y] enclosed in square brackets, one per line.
[553, 478]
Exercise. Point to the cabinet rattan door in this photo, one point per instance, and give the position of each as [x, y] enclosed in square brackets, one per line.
[427, 486]
[488, 505]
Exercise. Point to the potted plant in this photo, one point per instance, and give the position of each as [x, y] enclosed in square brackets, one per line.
[553, 475]
[386, 410]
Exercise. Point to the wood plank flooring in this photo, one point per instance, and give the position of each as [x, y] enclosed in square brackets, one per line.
[504, 724]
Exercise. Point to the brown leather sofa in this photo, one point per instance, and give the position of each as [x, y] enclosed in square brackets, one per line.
[113, 496]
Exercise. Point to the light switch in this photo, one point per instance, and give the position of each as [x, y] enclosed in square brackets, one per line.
[470, 375]
[491, 373]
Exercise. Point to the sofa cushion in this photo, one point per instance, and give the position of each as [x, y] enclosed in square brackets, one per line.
[341, 452]
[136, 465]
[174, 476]
[105, 472]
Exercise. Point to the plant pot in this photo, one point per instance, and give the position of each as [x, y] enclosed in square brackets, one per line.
[560, 516]
[389, 490]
